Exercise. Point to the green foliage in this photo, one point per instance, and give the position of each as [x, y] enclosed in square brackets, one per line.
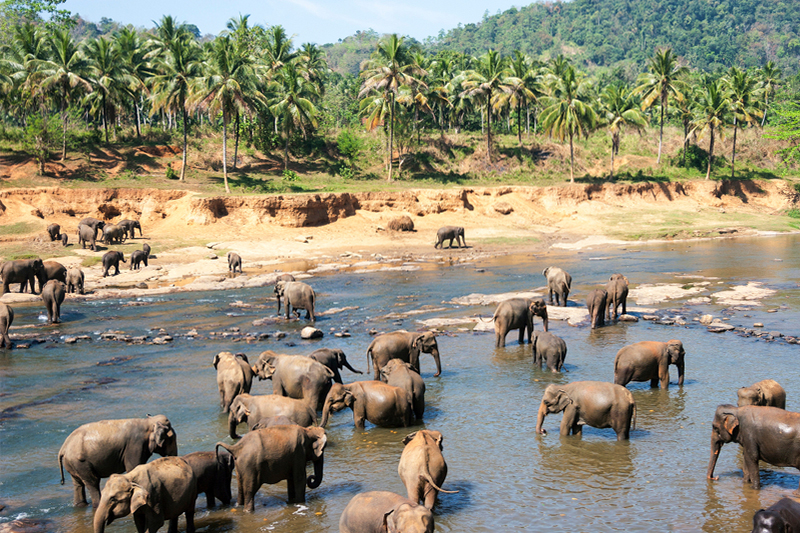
[350, 146]
[171, 174]
[290, 175]
[38, 137]
[787, 128]
[697, 159]
[793, 213]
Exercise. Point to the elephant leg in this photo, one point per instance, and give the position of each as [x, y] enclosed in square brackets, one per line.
[522, 335]
[430, 496]
[140, 522]
[249, 489]
[78, 493]
[240, 488]
[297, 482]
[569, 420]
[359, 415]
[654, 383]
[173, 525]
[189, 514]
[94, 491]
[577, 430]
[500, 340]
[750, 469]
[210, 502]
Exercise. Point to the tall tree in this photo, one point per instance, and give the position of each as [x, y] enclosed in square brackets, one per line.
[711, 110]
[619, 111]
[107, 75]
[137, 67]
[520, 87]
[294, 104]
[770, 78]
[744, 93]
[484, 82]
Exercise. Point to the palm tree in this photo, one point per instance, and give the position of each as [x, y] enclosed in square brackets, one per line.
[21, 61]
[711, 110]
[108, 76]
[770, 78]
[519, 88]
[294, 104]
[568, 112]
[743, 90]
[138, 69]
[659, 84]
[484, 82]
[620, 110]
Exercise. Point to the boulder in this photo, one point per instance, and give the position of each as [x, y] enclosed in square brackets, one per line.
[309, 332]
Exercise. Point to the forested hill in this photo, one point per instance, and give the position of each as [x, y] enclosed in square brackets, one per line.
[709, 34]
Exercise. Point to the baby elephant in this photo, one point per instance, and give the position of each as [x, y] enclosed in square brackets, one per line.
[234, 377]
[234, 262]
[549, 349]
[766, 392]
[213, 474]
[64, 239]
[401, 374]
[451, 233]
[53, 295]
[6, 319]
[596, 304]
[75, 280]
[422, 466]
[138, 256]
[781, 517]
[112, 259]
[385, 512]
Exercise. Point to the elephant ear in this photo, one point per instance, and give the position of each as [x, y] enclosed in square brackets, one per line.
[216, 360]
[320, 440]
[730, 423]
[562, 399]
[159, 435]
[348, 398]
[142, 497]
[386, 522]
[408, 438]
[437, 437]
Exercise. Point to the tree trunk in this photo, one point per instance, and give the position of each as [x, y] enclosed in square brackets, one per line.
[710, 154]
[391, 137]
[416, 122]
[685, 141]
[612, 159]
[105, 117]
[661, 131]
[766, 106]
[236, 143]
[185, 144]
[519, 123]
[528, 120]
[64, 120]
[286, 154]
[733, 157]
[571, 160]
[225, 151]
[489, 128]
[138, 122]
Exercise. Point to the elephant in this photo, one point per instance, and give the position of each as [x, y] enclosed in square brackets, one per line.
[404, 346]
[213, 473]
[403, 375]
[558, 283]
[146, 250]
[64, 239]
[295, 376]
[154, 493]
[130, 226]
[234, 377]
[517, 313]
[112, 259]
[298, 295]
[333, 359]
[422, 466]
[781, 517]
[617, 289]
[385, 512]
[6, 319]
[99, 449]
[594, 403]
[273, 454]
[596, 304]
[95, 224]
[113, 234]
[54, 231]
[53, 295]
[270, 421]
[451, 233]
[373, 401]
[52, 270]
[87, 235]
[550, 350]
[284, 277]
[138, 256]
[766, 392]
[22, 271]
[75, 280]
[649, 361]
[234, 262]
[765, 434]
[251, 409]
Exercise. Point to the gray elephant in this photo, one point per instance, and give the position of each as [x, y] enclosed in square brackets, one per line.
[781, 517]
[113, 234]
[550, 350]
[617, 289]
[252, 409]
[558, 283]
[373, 401]
[385, 512]
[517, 313]
[6, 319]
[146, 250]
[766, 392]
[273, 454]
[234, 262]
[53, 295]
[594, 403]
[22, 271]
[154, 493]
[112, 259]
[333, 359]
[295, 376]
[95, 224]
[64, 239]
[765, 434]
[596, 304]
[284, 277]
[75, 280]
[86, 235]
[52, 270]
[213, 473]
[54, 231]
[649, 361]
[403, 375]
[422, 466]
[234, 377]
[130, 227]
[298, 295]
[99, 449]
[138, 256]
[451, 233]
[405, 346]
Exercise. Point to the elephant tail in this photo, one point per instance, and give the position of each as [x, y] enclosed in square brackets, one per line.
[427, 477]
[369, 357]
[633, 417]
[61, 465]
[216, 450]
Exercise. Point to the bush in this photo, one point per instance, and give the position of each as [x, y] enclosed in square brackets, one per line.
[290, 175]
[350, 146]
[403, 223]
[697, 158]
[171, 174]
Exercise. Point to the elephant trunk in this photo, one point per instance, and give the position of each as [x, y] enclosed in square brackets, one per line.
[279, 304]
[101, 517]
[313, 481]
[232, 423]
[435, 354]
[680, 374]
[326, 409]
[716, 446]
[350, 368]
[540, 419]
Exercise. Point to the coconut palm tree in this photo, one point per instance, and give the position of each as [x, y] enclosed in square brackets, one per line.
[711, 112]
[770, 78]
[662, 81]
[137, 67]
[484, 82]
[519, 88]
[568, 112]
[619, 110]
[107, 75]
[294, 95]
[20, 63]
[744, 93]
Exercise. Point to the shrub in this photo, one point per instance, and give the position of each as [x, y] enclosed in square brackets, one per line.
[171, 174]
[350, 146]
[403, 223]
[290, 175]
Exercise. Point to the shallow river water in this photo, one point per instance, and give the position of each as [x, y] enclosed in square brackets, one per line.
[484, 403]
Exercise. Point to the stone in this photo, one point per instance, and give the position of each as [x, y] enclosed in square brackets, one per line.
[628, 318]
[70, 340]
[341, 334]
[776, 334]
[280, 335]
[706, 319]
[309, 332]
[758, 325]
[772, 310]
[504, 208]
[650, 317]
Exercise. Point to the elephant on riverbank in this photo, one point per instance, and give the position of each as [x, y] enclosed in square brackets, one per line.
[451, 233]
[234, 262]
[558, 283]
[422, 466]
[400, 374]
[6, 319]
[373, 401]
[112, 259]
[765, 434]
[234, 377]
[22, 271]
[146, 250]
[138, 256]
[113, 234]
[295, 376]
[334, 359]
[75, 280]
[276, 453]
[87, 235]
[617, 289]
[54, 231]
[99, 449]
[766, 392]
[154, 493]
[550, 350]
[298, 295]
[781, 517]
[649, 361]
[596, 304]
[252, 409]
[52, 270]
[130, 227]
[213, 473]
[64, 239]
[517, 313]
[385, 512]
[95, 224]
[53, 295]
[405, 346]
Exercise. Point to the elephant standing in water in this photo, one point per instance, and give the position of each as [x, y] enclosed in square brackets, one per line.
[22, 271]
[517, 313]
[451, 233]
[295, 376]
[333, 359]
[400, 374]
[6, 319]
[213, 473]
[405, 346]
[298, 295]
[782, 516]
[99, 449]
[53, 295]
[373, 401]
[558, 283]
[385, 512]
[252, 409]
[596, 304]
[234, 377]
[594, 403]
[549, 349]
[617, 289]
[649, 361]
[422, 466]
[766, 392]
[765, 434]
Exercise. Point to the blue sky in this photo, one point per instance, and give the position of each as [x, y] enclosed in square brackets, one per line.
[317, 21]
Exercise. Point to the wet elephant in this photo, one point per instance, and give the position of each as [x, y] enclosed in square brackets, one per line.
[558, 284]
[22, 271]
[593, 403]
[649, 361]
[6, 319]
[130, 227]
[451, 233]
[617, 289]
[86, 235]
[596, 304]
[334, 359]
[550, 350]
[112, 259]
[113, 234]
[298, 295]
[137, 257]
[405, 346]
[372, 401]
[54, 231]
[95, 224]
[252, 409]
[53, 295]
[422, 467]
[284, 277]
[273, 454]
[766, 392]
[781, 517]
[234, 262]
[234, 377]
[75, 280]
[213, 473]
[295, 376]
[517, 313]
[400, 374]
[765, 434]
[385, 512]
[99, 449]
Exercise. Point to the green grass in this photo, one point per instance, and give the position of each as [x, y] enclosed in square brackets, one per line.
[91, 261]
[21, 228]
